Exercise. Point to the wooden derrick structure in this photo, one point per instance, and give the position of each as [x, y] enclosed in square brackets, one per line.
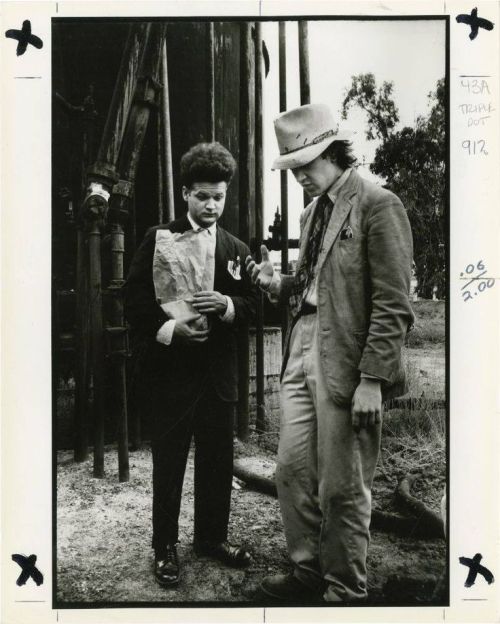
[167, 95]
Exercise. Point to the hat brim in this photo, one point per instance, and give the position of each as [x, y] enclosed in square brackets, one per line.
[305, 155]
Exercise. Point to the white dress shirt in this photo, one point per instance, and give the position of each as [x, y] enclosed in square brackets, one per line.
[166, 331]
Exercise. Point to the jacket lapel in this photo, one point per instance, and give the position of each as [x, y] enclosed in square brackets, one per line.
[222, 253]
[340, 213]
[304, 237]
[180, 225]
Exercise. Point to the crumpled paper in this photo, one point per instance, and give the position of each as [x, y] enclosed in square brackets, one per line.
[181, 268]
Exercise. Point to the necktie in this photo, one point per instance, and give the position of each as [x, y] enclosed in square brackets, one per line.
[305, 271]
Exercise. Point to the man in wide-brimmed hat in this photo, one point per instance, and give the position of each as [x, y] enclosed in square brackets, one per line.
[342, 357]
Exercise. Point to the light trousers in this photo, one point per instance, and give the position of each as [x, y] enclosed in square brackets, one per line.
[324, 476]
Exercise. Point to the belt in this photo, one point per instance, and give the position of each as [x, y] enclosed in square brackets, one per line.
[307, 308]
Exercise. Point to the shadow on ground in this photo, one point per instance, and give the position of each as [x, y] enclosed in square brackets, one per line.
[104, 554]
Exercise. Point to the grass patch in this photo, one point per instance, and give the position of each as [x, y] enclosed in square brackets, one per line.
[429, 324]
[424, 375]
[414, 440]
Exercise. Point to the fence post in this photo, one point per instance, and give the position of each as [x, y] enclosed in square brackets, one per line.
[260, 422]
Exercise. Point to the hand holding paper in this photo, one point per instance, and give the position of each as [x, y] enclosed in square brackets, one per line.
[209, 302]
[187, 329]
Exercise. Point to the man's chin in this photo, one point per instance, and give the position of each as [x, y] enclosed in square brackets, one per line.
[208, 221]
[311, 192]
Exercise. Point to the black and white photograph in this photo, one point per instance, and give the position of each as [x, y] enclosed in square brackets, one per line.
[249, 311]
[250, 234]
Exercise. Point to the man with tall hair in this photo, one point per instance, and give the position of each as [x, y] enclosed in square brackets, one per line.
[186, 297]
[350, 310]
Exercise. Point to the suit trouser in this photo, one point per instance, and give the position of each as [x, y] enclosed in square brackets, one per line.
[180, 411]
[324, 475]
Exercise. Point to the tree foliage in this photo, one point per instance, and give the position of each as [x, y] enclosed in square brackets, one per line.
[413, 161]
[381, 111]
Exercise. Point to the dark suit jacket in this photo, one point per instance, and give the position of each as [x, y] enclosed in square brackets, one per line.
[145, 315]
[363, 289]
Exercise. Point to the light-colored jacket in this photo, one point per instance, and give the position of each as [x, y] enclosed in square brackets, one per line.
[362, 289]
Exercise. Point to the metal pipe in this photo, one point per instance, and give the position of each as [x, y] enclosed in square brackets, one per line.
[283, 175]
[82, 346]
[260, 422]
[245, 144]
[305, 85]
[96, 332]
[82, 350]
[119, 350]
[211, 81]
[94, 211]
[167, 136]
[145, 97]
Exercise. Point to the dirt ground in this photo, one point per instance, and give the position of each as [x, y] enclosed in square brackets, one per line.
[104, 527]
[104, 555]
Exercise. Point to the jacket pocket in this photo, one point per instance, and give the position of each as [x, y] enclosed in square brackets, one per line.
[360, 336]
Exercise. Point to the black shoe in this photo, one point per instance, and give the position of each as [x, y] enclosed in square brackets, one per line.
[288, 588]
[234, 556]
[167, 566]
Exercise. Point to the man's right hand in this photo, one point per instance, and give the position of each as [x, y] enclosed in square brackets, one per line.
[260, 274]
[186, 333]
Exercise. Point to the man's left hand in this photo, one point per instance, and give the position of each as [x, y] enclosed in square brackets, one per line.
[366, 407]
[209, 302]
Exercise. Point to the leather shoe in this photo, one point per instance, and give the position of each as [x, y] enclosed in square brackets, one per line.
[234, 556]
[167, 566]
[287, 587]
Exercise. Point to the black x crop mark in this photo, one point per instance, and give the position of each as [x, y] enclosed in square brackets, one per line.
[29, 569]
[474, 569]
[24, 37]
[474, 22]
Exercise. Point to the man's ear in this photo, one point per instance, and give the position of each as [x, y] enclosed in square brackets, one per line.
[185, 193]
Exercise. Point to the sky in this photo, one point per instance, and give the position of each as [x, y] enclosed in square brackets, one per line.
[411, 54]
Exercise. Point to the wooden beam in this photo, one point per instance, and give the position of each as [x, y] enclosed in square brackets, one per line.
[167, 137]
[211, 81]
[245, 154]
[121, 102]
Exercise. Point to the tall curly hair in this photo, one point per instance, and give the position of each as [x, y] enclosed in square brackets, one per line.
[340, 153]
[207, 162]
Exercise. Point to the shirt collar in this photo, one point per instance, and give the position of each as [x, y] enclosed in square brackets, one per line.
[212, 229]
[333, 191]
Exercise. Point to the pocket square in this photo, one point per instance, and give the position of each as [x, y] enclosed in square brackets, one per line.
[346, 233]
[234, 268]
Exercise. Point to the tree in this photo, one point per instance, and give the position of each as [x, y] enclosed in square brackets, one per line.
[377, 103]
[412, 161]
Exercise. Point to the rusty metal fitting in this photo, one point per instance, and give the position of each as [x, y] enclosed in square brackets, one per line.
[117, 343]
[123, 188]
